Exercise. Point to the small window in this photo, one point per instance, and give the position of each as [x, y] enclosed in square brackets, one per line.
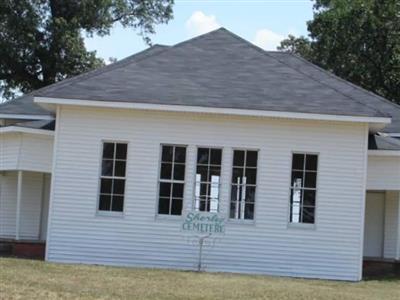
[172, 180]
[208, 175]
[112, 178]
[303, 188]
[243, 190]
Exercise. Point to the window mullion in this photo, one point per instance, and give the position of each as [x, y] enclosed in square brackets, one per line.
[171, 191]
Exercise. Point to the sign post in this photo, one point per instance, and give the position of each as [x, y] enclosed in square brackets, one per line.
[203, 225]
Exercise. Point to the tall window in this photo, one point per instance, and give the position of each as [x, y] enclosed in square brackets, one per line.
[244, 176]
[303, 188]
[112, 179]
[208, 174]
[172, 180]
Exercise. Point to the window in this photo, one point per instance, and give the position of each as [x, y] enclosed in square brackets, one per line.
[244, 176]
[172, 180]
[208, 174]
[303, 188]
[112, 179]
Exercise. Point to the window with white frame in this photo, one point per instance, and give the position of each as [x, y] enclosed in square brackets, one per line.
[303, 188]
[172, 179]
[112, 178]
[243, 190]
[208, 175]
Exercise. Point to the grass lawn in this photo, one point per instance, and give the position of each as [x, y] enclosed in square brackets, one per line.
[28, 279]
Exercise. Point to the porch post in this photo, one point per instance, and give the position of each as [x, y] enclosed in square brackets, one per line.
[18, 210]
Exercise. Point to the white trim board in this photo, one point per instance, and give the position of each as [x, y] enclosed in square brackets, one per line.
[10, 129]
[383, 153]
[26, 117]
[211, 110]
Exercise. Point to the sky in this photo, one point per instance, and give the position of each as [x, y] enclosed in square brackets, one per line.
[262, 22]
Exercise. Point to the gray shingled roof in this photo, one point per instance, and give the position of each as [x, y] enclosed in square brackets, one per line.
[24, 105]
[381, 142]
[220, 69]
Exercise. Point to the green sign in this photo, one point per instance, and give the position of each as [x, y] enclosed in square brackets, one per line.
[203, 223]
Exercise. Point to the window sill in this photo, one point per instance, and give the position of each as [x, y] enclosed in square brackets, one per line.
[241, 222]
[170, 218]
[301, 226]
[110, 214]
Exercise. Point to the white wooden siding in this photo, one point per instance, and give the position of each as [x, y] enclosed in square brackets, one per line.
[374, 225]
[10, 144]
[392, 226]
[31, 203]
[25, 151]
[332, 250]
[383, 173]
[8, 203]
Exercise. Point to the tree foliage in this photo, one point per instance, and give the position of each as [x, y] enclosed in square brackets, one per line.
[358, 40]
[41, 41]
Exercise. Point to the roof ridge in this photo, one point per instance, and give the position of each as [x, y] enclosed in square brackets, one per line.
[379, 97]
[198, 37]
[262, 51]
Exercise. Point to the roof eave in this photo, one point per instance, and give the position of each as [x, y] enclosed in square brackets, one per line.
[18, 129]
[376, 123]
[25, 117]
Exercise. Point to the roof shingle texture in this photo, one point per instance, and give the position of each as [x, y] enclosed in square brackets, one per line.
[221, 70]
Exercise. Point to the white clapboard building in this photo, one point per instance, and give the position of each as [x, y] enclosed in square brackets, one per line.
[293, 171]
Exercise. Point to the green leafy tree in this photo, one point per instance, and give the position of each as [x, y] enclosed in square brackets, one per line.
[41, 41]
[358, 40]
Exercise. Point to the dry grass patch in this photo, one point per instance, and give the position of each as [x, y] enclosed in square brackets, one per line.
[28, 279]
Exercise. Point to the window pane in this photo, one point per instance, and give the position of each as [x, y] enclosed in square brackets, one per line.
[232, 213]
[121, 151]
[214, 174]
[176, 208]
[108, 150]
[203, 205]
[297, 179]
[107, 167]
[119, 186]
[235, 193]
[117, 203]
[216, 156]
[249, 211]
[251, 176]
[179, 172]
[310, 180]
[203, 189]
[213, 205]
[105, 202]
[311, 162]
[237, 174]
[166, 171]
[214, 190]
[163, 206]
[105, 186]
[309, 198]
[167, 153]
[308, 215]
[177, 190]
[120, 168]
[251, 160]
[201, 174]
[298, 162]
[250, 194]
[295, 205]
[238, 158]
[165, 189]
[202, 155]
[180, 154]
